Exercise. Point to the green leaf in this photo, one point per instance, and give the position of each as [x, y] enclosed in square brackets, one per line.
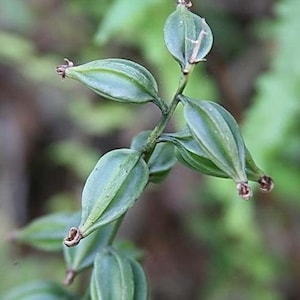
[47, 232]
[187, 37]
[81, 257]
[40, 290]
[117, 180]
[117, 277]
[120, 17]
[162, 159]
[116, 79]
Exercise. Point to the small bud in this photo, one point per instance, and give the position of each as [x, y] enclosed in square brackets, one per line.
[266, 183]
[244, 190]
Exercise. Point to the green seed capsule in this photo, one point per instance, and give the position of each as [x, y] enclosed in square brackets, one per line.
[117, 180]
[116, 79]
[187, 37]
[117, 277]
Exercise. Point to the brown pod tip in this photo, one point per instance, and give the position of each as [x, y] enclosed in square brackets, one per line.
[266, 183]
[61, 69]
[244, 190]
[73, 237]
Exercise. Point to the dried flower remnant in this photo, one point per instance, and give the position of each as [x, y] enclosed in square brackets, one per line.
[185, 3]
[266, 183]
[61, 69]
[73, 238]
[244, 190]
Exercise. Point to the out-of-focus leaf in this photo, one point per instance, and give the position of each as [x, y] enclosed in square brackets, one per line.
[40, 290]
[47, 232]
[122, 14]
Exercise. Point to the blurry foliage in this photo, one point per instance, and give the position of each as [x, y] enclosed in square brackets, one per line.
[248, 244]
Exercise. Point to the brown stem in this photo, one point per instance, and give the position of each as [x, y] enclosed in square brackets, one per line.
[70, 275]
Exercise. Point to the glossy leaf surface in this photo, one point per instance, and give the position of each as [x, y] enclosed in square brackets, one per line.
[47, 232]
[187, 37]
[116, 79]
[117, 180]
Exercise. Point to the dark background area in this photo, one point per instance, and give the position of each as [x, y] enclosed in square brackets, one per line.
[200, 240]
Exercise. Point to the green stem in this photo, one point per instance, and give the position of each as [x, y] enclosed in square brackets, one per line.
[116, 229]
[160, 127]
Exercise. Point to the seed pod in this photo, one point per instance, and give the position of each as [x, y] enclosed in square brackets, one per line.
[117, 180]
[217, 133]
[189, 153]
[117, 277]
[254, 173]
[83, 256]
[116, 79]
[162, 159]
[187, 37]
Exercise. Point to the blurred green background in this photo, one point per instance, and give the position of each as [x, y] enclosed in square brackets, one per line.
[200, 240]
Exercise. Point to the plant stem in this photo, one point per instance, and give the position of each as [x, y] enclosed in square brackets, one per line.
[160, 127]
[116, 229]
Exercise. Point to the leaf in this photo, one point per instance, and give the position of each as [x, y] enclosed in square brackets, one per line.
[121, 15]
[116, 79]
[117, 277]
[40, 290]
[162, 159]
[117, 180]
[187, 37]
[47, 232]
